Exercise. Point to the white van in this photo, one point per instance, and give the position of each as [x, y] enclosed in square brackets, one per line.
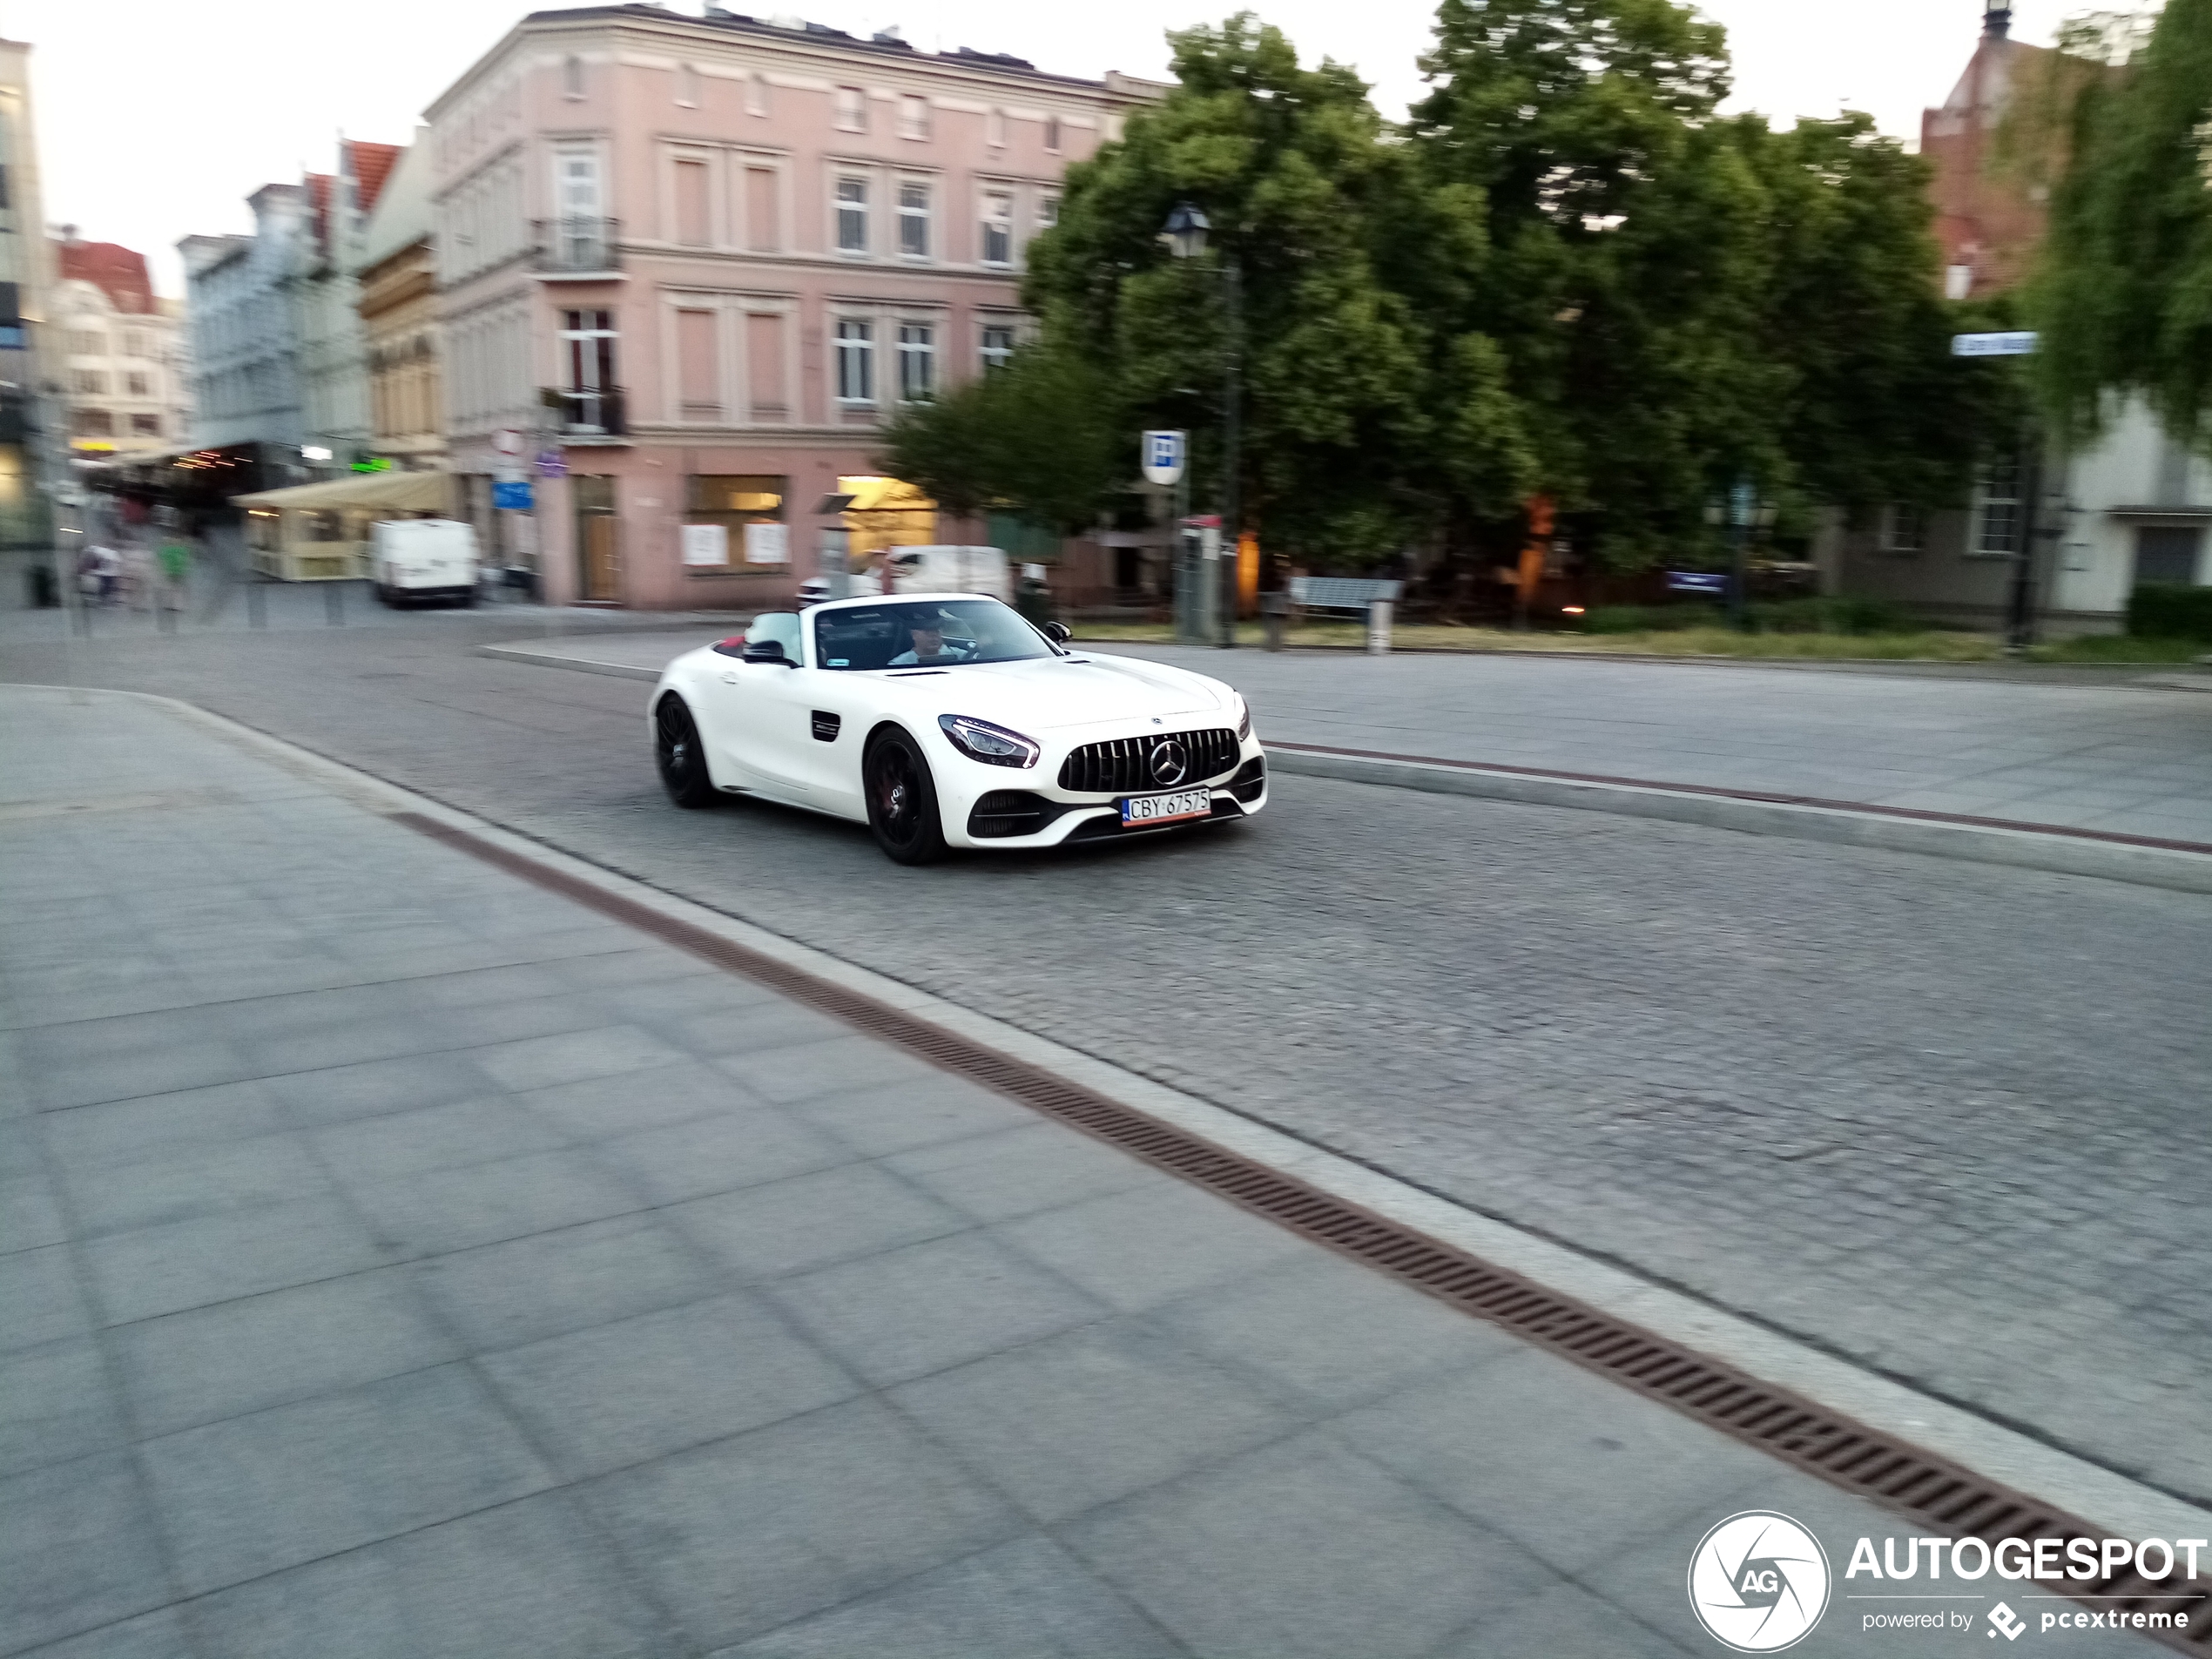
[414, 559]
[951, 570]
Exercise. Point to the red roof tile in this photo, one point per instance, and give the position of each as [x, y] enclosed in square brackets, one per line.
[372, 164]
[119, 273]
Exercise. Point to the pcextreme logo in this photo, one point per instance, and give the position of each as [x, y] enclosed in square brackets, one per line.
[1758, 1583]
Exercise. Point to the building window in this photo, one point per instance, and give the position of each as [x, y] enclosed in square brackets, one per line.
[590, 400]
[914, 116]
[1998, 525]
[917, 361]
[146, 426]
[998, 230]
[2166, 553]
[756, 93]
[137, 385]
[1052, 134]
[91, 423]
[687, 85]
[87, 382]
[1903, 529]
[914, 221]
[851, 216]
[855, 361]
[85, 342]
[572, 77]
[851, 110]
[998, 345]
[737, 501]
[1048, 212]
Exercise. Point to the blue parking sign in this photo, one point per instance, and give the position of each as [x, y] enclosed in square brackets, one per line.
[516, 497]
[1164, 456]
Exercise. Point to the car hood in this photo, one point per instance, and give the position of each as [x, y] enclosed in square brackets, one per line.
[1047, 693]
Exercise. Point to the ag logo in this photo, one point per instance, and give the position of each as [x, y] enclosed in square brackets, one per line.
[1758, 1583]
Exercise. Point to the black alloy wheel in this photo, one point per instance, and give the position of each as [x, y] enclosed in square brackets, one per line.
[902, 800]
[676, 748]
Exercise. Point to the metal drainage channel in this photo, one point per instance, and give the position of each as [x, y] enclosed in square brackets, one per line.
[1929, 1490]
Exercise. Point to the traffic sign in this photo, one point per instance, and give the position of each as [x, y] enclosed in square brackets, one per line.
[2011, 345]
[550, 464]
[507, 441]
[511, 497]
[1164, 456]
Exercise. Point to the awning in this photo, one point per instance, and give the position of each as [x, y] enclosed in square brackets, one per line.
[378, 492]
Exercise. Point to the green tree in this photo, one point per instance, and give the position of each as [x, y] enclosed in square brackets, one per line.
[1685, 299]
[2122, 293]
[1356, 408]
[1042, 438]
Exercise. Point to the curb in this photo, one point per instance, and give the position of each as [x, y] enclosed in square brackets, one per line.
[2177, 866]
[1996, 1451]
[579, 664]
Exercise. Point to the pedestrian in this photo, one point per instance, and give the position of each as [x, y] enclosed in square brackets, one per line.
[137, 576]
[88, 574]
[176, 566]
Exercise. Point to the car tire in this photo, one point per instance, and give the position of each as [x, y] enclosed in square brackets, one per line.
[678, 753]
[902, 800]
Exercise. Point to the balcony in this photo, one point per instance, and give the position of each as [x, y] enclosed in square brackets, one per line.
[576, 249]
[589, 417]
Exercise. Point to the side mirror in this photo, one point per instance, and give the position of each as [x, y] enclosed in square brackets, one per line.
[767, 650]
[1057, 632]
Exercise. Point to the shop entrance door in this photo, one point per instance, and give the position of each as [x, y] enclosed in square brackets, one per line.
[599, 551]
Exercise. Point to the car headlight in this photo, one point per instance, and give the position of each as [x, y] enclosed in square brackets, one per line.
[1244, 720]
[992, 745]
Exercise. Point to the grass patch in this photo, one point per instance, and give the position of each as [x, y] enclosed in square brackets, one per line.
[2120, 649]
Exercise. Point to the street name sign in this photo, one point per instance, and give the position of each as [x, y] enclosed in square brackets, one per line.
[2011, 345]
[1164, 456]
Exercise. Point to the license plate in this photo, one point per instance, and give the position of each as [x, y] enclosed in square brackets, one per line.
[1164, 809]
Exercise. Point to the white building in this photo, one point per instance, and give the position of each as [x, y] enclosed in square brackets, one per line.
[118, 347]
[239, 304]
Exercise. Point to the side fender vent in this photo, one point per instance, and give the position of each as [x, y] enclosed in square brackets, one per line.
[826, 725]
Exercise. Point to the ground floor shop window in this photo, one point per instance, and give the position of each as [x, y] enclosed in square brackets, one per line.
[736, 522]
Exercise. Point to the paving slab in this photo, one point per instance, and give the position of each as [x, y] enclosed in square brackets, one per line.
[573, 1331]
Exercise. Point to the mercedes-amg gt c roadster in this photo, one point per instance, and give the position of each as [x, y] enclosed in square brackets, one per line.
[947, 720]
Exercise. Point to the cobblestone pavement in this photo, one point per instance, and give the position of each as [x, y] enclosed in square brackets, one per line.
[1949, 1120]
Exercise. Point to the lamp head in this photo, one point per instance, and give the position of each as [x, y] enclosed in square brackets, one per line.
[1185, 231]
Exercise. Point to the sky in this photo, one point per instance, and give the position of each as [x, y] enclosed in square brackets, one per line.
[158, 117]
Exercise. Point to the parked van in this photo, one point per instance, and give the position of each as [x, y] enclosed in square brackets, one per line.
[951, 570]
[414, 559]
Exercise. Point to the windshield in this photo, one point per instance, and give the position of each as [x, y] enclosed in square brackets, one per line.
[928, 633]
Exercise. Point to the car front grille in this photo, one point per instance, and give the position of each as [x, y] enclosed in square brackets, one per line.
[1126, 765]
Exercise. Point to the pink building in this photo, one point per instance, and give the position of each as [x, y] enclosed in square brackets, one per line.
[701, 259]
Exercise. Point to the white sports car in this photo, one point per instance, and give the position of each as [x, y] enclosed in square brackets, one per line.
[947, 720]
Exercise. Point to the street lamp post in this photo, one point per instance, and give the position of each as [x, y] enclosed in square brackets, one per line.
[1185, 234]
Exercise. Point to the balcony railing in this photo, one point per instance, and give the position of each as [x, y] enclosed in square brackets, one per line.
[589, 414]
[577, 247]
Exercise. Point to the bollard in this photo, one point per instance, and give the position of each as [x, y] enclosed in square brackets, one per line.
[1274, 614]
[257, 605]
[334, 605]
[1379, 628]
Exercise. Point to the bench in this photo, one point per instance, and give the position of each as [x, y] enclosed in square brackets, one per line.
[1362, 596]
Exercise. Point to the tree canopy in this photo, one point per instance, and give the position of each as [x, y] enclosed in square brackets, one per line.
[1565, 274]
[2122, 293]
